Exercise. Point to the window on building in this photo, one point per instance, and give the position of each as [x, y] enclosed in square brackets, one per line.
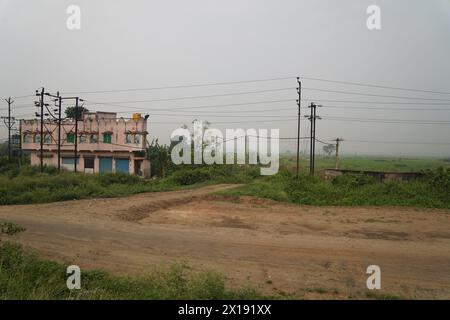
[89, 162]
[26, 138]
[107, 138]
[128, 138]
[82, 138]
[136, 138]
[47, 138]
[94, 138]
[71, 137]
[37, 138]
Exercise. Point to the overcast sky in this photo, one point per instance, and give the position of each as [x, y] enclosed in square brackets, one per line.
[145, 44]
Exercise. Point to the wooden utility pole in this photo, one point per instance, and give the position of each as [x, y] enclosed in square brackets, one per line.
[58, 99]
[312, 149]
[9, 122]
[40, 104]
[299, 91]
[337, 151]
[76, 133]
[59, 131]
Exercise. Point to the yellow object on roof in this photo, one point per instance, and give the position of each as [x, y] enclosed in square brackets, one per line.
[137, 117]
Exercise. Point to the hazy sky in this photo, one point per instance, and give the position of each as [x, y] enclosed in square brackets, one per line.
[145, 44]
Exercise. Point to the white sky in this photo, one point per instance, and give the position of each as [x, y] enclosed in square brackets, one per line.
[142, 44]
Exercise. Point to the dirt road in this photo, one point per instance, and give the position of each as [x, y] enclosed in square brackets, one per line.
[313, 252]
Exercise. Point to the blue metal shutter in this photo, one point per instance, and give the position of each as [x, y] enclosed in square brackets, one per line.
[122, 165]
[105, 164]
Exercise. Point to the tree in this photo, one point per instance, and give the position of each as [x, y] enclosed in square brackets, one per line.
[70, 112]
[329, 149]
[159, 156]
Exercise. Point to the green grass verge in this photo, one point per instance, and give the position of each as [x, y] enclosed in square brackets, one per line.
[376, 163]
[28, 185]
[433, 191]
[23, 275]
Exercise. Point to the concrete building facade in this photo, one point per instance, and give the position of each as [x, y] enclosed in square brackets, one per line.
[105, 143]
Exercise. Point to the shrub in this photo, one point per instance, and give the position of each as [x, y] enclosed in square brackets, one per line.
[350, 190]
[439, 178]
[188, 177]
[10, 228]
[107, 179]
[352, 180]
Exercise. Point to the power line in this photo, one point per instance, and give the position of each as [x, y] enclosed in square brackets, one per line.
[375, 86]
[25, 96]
[261, 137]
[196, 97]
[204, 106]
[387, 108]
[361, 84]
[387, 120]
[221, 115]
[320, 141]
[375, 95]
[265, 91]
[183, 86]
[398, 142]
[287, 118]
[250, 81]
[380, 102]
[280, 101]
[227, 122]
[20, 107]
[307, 137]
[361, 141]
[174, 112]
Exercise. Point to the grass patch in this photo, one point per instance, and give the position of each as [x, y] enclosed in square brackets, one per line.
[432, 191]
[384, 296]
[10, 228]
[26, 184]
[23, 275]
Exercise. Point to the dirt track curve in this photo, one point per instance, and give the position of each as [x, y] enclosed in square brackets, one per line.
[313, 252]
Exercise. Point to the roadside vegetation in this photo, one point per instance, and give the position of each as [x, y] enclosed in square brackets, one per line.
[26, 184]
[25, 276]
[433, 190]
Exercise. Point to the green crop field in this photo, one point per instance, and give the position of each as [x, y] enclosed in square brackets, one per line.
[375, 163]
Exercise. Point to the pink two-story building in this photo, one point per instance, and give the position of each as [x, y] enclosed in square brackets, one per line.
[105, 143]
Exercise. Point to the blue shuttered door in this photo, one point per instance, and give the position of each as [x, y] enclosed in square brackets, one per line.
[105, 165]
[122, 165]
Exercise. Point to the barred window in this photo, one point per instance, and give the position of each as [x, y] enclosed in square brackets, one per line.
[93, 138]
[128, 138]
[26, 138]
[71, 137]
[107, 138]
[47, 138]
